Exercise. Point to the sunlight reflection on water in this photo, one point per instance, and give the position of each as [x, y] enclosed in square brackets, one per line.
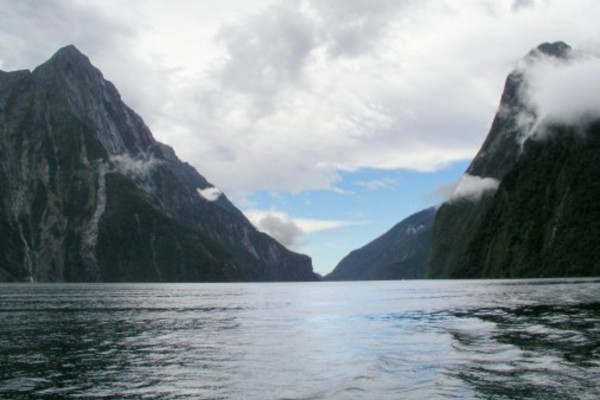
[361, 340]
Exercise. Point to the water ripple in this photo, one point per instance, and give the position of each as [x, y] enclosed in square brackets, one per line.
[383, 340]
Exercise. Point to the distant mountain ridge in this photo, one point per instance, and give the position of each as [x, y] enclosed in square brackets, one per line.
[87, 193]
[400, 253]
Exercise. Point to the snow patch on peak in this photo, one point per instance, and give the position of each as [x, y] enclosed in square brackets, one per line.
[472, 188]
[210, 193]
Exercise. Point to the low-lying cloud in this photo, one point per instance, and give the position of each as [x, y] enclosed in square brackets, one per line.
[210, 193]
[472, 188]
[134, 167]
[563, 91]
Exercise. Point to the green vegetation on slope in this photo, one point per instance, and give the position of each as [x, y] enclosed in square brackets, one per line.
[545, 218]
[139, 243]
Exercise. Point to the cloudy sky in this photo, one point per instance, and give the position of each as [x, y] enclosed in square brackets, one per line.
[326, 121]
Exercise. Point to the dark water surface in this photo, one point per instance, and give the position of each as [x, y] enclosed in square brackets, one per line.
[526, 339]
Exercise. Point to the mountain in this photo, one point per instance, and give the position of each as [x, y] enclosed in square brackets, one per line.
[527, 205]
[400, 253]
[87, 193]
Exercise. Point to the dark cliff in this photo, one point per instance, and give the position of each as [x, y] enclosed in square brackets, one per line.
[400, 253]
[541, 219]
[87, 193]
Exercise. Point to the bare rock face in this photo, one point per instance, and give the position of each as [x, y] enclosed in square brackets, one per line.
[87, 193]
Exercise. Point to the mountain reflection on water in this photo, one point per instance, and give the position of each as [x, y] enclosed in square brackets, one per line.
[354, 340]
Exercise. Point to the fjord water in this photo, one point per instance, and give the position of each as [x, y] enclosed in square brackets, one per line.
[352, 340]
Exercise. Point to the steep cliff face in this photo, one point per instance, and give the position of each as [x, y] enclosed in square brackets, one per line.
[400, 253]
[523, 208]
[87, 194]
[545, 218]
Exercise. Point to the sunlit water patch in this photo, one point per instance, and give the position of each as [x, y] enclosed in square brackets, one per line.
[363, 340]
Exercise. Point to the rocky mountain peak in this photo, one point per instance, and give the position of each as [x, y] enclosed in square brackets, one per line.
[503, 144]
[69, 55]
[88, 194]
[69, 83]
[68, 62]
[557, 49]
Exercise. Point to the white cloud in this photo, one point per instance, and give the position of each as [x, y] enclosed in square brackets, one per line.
[267, 52]
[351, 28]
[472, 188]
[210, 193]
[309, 225]
[376, 184]
[564, 91]
[289, 231]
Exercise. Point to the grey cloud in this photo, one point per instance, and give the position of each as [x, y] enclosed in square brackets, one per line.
[353, 27]
[34, 30]
[268, 51]
[518, 5]
[347, 114]
[284, 230]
